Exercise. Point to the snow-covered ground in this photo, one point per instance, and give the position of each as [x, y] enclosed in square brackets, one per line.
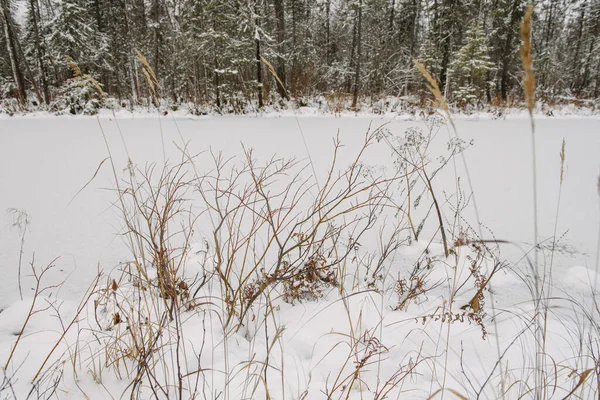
[53, 169]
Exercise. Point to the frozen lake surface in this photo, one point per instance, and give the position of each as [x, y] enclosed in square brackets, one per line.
[44, 162]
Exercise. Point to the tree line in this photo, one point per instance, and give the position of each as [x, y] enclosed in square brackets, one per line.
[230, 52]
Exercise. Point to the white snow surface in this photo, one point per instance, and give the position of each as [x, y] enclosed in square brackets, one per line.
[52, 168]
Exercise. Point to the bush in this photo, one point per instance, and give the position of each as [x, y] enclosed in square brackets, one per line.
[80, 95]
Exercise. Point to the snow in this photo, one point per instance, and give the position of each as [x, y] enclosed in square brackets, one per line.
[48, 168]
[386, 108]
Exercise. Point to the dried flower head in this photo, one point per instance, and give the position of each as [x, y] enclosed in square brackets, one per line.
[527, 59]
[433, 86]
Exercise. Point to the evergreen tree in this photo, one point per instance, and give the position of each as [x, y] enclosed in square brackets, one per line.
[211, 52]
[71, 34]
[505, 41]
[469, 71]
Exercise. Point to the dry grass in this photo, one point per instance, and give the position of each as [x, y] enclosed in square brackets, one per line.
[433, 87]
[527, 59]
[78, 75]
[151, 78]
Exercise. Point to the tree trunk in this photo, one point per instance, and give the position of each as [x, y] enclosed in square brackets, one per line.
[597, 84]
[134, 93]
[259, 71]
[548, 34]
[414, 26]
[39, 52]
[11, 46]
[392, 16]
[348, 83]
[135, 90]
[217, 83]
[586, 68]
[327, 33]
[157, 35]
[507, 50]
[446, 44]
[447, 31]
[21, 54]
[294, 19]
[576, 63]
[280, 27]
[259, 78]
[358, 56]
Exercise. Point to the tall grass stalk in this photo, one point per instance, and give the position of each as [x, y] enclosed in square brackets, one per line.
[548, 291]
[529, 89]
[597, 272]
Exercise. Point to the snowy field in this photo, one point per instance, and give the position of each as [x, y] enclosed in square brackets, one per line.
[354, 338]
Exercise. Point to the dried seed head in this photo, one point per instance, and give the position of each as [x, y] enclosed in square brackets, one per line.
[77, 75]
[527, 59]
[148, 72]
[433, 86]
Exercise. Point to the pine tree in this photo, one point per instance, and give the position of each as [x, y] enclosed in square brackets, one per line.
[71, 34]
[469, 70]
[504, 43]
[281, 38]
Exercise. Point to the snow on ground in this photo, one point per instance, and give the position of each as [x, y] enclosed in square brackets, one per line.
[388, 108]
[46, 164]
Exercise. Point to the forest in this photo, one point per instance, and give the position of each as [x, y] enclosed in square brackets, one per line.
[230, 55]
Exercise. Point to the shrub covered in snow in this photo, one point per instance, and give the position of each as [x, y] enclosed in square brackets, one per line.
[80, 95]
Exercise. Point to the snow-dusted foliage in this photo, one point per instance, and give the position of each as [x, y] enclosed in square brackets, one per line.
[470, 73]
[206, 51]
[71, 33]
[81, 94]
[78, 96]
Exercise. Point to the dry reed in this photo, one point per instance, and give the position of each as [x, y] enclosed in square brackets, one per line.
[527, 59]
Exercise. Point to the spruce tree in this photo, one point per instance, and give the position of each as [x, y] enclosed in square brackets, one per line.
[470, 68]
[72, 34]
